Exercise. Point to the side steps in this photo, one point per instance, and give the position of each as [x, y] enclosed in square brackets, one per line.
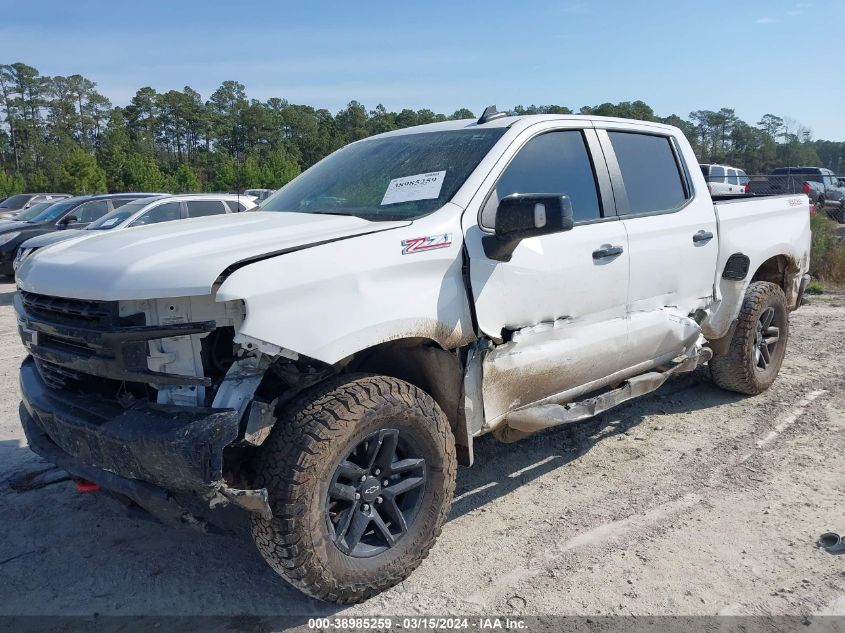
[523, 422]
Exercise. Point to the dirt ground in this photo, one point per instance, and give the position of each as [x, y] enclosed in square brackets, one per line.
[689, 501]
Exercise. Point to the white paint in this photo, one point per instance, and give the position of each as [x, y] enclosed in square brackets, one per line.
[179, 260]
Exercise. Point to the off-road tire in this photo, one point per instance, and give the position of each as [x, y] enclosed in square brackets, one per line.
[737, 369]
[296, 464]
[839, 214]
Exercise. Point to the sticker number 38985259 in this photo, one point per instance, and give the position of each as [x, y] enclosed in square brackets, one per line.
[411, 188]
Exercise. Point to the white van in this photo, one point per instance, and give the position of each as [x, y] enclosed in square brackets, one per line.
[724, 179]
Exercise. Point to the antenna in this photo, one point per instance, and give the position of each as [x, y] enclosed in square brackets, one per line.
[490, 113]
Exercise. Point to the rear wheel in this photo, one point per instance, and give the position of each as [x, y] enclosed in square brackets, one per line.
[360, 474]
[758, 345]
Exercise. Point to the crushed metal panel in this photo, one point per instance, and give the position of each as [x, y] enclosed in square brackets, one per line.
[252, 500]
[259, 422]
[524, 422]
[549, 358]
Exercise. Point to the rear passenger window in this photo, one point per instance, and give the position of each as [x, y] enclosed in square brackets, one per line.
[555, 162]
[201, 208]
[650, 172]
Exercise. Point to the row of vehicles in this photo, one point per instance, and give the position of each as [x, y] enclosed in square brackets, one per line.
[325, 361]
[822, 186]
[49, 222]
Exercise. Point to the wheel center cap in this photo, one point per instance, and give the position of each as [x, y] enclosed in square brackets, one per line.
[370, 489]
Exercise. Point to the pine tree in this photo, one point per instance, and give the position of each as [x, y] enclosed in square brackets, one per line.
[80, 174]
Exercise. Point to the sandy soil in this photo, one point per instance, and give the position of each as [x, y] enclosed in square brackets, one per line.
[689, 501]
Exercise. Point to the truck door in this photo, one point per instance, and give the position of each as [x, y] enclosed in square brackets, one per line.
[672, 240]
[557, 308]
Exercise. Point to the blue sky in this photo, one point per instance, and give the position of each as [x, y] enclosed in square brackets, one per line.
[755, 56]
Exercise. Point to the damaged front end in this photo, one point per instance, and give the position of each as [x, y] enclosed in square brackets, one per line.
[156, 399]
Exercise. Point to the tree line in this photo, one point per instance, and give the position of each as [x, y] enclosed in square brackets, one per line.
[60, 134]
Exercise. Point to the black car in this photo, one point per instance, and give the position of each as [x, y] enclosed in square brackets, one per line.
[72, 213]
[11, 206]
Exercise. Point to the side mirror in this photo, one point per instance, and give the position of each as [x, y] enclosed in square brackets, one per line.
[68, 219]
[842, 182]
[523, 215]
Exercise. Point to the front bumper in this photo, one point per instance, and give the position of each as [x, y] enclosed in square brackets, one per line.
[178, 448]
[164, 458]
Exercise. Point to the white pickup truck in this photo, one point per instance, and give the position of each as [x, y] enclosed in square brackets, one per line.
[327, 360]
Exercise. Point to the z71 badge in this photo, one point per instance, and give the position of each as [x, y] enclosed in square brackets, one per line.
[428, 243]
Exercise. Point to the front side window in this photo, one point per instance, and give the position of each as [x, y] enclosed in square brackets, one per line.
[53, 212]
[650, 172]
[201, 208]
[165, 212]
[398, 177]
[552, 163]
[90, 211]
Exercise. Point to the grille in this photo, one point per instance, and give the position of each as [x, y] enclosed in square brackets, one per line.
[56, 376]
[80, 312]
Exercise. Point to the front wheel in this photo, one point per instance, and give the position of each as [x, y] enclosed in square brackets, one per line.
[758, 345]
[360, 472]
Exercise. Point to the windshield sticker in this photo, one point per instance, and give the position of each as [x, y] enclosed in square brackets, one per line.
[110, 222]
[428, 243]
[410, 188]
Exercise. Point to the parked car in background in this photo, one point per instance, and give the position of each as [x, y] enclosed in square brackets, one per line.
[832, 195]
[259, 194]
[71, 213]
[820, 185]
[724, 179]
[28, 213]
[13, 205]
[164, 208]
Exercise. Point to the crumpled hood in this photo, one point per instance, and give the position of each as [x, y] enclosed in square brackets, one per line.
[176, 259]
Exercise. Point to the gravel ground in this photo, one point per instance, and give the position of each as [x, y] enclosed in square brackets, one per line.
[689, 501]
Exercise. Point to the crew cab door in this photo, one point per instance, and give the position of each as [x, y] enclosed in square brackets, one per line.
[557, 308]
[672, 241]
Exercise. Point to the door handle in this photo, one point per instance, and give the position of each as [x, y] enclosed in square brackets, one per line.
[608, 251]
[702, 236]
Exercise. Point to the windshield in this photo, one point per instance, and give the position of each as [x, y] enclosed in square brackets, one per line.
[33, 211]
[393, 178]
[15, 202]
[111, 220]
[53, 212]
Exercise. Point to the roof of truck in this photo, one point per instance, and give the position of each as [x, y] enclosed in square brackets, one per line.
[508, 121]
